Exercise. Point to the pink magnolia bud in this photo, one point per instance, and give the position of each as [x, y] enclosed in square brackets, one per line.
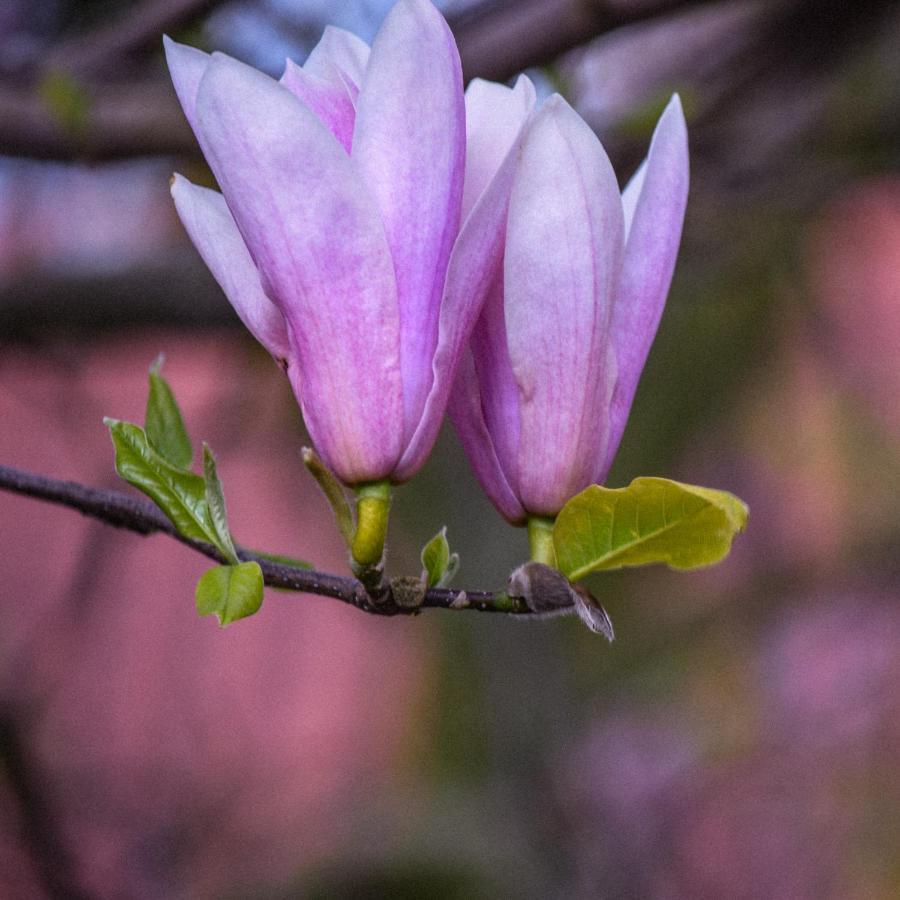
[341, 195]
[574, 300]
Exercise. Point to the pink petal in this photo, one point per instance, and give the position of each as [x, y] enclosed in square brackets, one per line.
[494, 117]
[465, 410]
[331, 103]
[500, 401]
[409, 145]
[186, 66]
[474, 273]
[207, 220]
[341, 50]
[563, 259]
[316, 237]
[654, 202]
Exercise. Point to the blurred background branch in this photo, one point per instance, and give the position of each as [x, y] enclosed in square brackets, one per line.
[141, 117]
[138, 114]
[121, 121]
[102, 50]
[757, 76]
[500, 38]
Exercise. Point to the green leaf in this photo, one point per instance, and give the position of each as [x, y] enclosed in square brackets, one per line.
[230, 592]
[215, 500]
[180, 495]
[282, 560]
[653, 520]
[164, 424]
[439, 563]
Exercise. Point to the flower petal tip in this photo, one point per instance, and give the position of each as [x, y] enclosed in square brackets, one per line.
[674, 113]
[671, 129]
[186, 67]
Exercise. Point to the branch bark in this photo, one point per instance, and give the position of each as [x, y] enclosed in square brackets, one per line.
[140, 516]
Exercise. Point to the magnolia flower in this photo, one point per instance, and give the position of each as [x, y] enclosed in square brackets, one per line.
[341, 195]
[541, 400]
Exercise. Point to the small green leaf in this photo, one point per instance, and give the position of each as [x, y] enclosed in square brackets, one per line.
[180, 495]
[436, 557]
[282, 560]
[653, 520]
[164, 424]
[439, 563]
[230, 592]
[215, 500]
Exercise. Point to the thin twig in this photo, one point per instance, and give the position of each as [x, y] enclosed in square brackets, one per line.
[136, 514]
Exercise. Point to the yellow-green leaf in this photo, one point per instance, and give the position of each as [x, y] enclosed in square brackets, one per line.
[179, 494]
[653, 520]
[439, 563]
[163, 422]
[215, 501]
[230, 592]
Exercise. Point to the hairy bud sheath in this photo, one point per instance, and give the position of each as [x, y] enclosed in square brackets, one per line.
[548, 593]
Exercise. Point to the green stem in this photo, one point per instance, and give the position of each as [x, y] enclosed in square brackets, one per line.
[504, 603]
[540, 539]
[373, 503]
[333, 492]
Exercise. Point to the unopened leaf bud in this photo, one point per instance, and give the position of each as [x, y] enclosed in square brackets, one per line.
[547, 593]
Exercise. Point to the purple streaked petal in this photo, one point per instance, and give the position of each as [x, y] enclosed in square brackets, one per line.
[499, 390]
[494, 117]
[654, 203]
[329, 101]
[316, 237]
[409, 146]
[475, 271]
[341, 50]
[186, 66]
[466, 414]
[563, 261]
[209, 224]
